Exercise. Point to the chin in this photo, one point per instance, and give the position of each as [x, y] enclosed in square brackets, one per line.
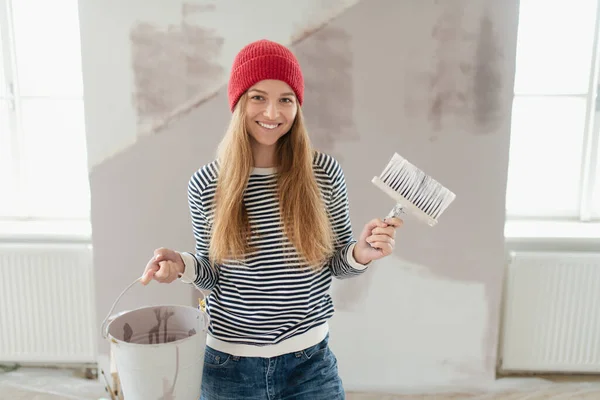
[266, 141]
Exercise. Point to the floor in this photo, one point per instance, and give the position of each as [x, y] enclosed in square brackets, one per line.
[64, 384]
[49, 384]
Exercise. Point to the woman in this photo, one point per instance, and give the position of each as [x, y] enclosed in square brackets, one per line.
[271, 221]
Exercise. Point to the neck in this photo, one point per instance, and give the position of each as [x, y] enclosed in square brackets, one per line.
[264, 156]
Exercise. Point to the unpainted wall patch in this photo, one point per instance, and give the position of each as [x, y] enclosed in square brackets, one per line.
[173, 66]
[487, 80]
[449, 84]
[327, 11]
[463, 84]
[326, 60]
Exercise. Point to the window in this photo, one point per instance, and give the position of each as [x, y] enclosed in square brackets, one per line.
[554, 170]
[43, 156]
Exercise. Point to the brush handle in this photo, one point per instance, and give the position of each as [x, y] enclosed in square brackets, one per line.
[396, 212]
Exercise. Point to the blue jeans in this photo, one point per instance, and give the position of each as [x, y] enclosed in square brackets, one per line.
[308, 374]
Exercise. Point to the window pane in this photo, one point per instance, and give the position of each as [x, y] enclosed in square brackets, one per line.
[545, 156]
[48, 47]
[554, 46]
[55, 159]
[8, 200]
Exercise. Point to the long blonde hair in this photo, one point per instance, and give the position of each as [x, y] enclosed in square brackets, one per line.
[303, 215]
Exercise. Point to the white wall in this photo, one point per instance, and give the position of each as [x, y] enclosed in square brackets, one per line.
[430, 80]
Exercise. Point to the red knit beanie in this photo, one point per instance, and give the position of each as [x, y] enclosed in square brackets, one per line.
[261, 60]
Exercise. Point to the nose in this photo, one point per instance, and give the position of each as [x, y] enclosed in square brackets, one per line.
[271, 111]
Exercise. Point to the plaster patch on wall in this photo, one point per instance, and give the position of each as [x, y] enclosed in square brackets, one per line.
[329, 102]
[487, 79]
[328, 10]
[450, 82]
[175, 68]
[463, 84]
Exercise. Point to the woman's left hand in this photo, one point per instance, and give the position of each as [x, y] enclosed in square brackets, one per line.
[376, 240]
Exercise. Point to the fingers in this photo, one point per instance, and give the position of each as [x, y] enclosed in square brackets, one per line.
[395, 222]
[389, 227]
[380, 239]
[380, 235]
[162, 267]
[388, 230]
[385, 248]
[376, 223]
[388, 222]
[149, 272]
[167, 272]
[163, 271]
[163, 254]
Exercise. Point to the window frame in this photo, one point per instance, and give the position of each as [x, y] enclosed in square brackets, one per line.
[20, 226]
[585, 227]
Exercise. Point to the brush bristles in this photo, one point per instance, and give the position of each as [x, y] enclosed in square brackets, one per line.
[416, 187]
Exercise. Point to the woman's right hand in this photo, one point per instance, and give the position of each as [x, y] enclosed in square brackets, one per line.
[165, 267]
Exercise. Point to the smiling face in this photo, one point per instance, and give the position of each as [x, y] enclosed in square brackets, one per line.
[270, 112]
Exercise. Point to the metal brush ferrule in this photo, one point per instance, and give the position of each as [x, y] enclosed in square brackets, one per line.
[396, 212]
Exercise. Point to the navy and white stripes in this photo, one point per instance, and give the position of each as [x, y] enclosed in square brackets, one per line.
[271, 296]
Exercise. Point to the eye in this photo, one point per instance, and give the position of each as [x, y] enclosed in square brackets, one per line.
[257, 97]
[287, 100]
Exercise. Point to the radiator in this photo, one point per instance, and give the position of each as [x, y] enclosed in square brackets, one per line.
[551, 318]
[47, 304]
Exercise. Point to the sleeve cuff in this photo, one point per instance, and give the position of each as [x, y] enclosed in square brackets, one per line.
[351, 261]
[189, 272]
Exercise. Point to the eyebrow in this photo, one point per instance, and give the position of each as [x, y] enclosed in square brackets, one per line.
[263, 92]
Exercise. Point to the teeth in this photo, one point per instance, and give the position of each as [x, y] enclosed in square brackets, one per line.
[267, 125]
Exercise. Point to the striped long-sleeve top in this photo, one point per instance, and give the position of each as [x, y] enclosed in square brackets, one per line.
[268, 304]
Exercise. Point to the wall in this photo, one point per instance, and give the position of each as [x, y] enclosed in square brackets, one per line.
[431, 80]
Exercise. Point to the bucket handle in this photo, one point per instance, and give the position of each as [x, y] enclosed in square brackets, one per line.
[104, 326]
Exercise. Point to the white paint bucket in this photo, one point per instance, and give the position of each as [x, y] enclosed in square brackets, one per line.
[158, 350]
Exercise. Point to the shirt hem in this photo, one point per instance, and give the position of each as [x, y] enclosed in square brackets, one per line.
[291, 345]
